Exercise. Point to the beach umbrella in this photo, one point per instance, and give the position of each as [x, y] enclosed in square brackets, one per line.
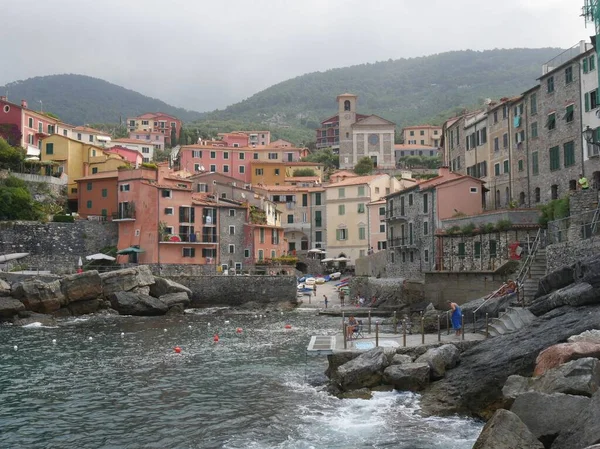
[99, 256]
[80, 263]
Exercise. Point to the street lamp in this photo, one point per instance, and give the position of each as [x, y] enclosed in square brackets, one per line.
[588, 135]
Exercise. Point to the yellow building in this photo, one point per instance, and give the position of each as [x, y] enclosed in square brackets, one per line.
[427, 135]
[348, 223]
[274, 173]
[77, 159]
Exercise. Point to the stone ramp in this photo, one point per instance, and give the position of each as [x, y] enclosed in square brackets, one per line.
[513, 319]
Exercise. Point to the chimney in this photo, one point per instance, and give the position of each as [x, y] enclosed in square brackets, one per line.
[443, 170]
[3, 98]
[24, 104]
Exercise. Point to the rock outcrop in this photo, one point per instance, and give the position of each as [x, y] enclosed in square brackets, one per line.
[558, 354]
[585, 430]
[39, 296]
[407, 376]
[81, 286]
[365, 371]
[440, 359]
[4, 288]
[172, 299]
[506, 431]
[10, 307]
[164, 286]
[129, 303]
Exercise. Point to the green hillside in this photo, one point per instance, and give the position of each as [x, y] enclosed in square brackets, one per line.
[79, 99]
[406, 91]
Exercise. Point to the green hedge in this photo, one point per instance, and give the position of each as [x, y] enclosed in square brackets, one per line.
[63, 219]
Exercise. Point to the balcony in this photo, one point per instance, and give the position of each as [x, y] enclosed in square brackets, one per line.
[126, 212]
[396, 214]
[195, 238]
[400, 242]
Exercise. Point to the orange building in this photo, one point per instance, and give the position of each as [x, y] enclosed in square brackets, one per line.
[98, 195]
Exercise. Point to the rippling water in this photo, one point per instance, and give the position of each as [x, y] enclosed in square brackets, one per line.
[250, 390]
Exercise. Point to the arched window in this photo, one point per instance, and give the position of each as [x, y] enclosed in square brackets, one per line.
[347, 105]
[572, 184]
[497, 199]
[537, 195]
[554, 190]
[522, 199]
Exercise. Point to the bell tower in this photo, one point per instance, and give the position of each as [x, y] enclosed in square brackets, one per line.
[347, 117]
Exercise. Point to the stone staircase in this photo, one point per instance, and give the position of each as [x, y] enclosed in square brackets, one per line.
[537, 270]
[514, 318]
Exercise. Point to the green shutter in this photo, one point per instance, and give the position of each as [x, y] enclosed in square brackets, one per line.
[585, 65]
[587, 101]
[592, 62]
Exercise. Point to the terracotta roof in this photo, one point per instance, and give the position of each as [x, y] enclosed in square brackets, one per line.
[271, 188]
[177, 178]
[302, 179]
[288, 164]
[86, 129]
[101, 175]
[133, 141]
[346, 173]
[169, 187]
[355, 181]
[120, 148]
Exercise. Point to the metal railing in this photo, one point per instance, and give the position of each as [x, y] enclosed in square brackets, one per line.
[526, 266]
[558, 230]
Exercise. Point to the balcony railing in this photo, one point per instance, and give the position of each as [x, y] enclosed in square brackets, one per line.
[400, 242]
[189, 238]
[124, 215]
[396, 214]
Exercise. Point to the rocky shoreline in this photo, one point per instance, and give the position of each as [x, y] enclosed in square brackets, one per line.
[537, 387]
[131, 291]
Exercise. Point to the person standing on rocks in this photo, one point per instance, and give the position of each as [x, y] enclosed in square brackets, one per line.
[325, 300]
[342, 297]
[456, 317]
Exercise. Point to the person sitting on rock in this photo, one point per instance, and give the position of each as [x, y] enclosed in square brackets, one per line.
[351, 327]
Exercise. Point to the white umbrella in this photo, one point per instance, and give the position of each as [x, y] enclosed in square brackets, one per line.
[342, 259]
[99, 256]
[327, 260]
[316, 250]
[80, 262]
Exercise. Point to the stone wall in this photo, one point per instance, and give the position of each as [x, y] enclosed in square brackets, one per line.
[372, 265]
[515, 216]
[37, 184]
[459, 287]
[55, 247]
[391, 293]
[567, 253]
[219, 290]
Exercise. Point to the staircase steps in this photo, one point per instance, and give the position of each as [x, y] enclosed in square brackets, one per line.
[513, 319]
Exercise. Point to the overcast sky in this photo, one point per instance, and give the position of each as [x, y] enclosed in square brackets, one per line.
[206, 54]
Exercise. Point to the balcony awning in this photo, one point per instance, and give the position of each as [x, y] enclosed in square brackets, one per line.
[103, 138]
[33, 151]
[130, 250]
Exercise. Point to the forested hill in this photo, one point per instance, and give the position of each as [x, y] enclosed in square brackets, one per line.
[406, 91]
[79, 99]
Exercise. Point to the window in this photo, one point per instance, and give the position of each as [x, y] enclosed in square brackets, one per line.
[272, 156]
[425, 228]
[290, 218]
[505, 140]
[382, 228]
[226, 155]
[569, 75]
[497, 169]
[78, 136]
[361, 190]
[197, 154]
[167, 194]
[91, 138]
[362, 235]
[341, 209]
[425, 204]
[550, 84]
[520, 165]
[535, 168]
[412, 133]
[225, 168]
[569, 114]
[89, 204]
[188, 252]
[592, 63]
[506, 168]
[168, 211]
[276, 172]
[403, 257]
[537, 195]
[231, 230]
[30, 122]
[275, 237]
[213, 168]
[551, 122]
[124, 187]
[534, 130]
[319, 236]
[246, 253]
[341, 192]
[213, 154]
[242, 156]
[426, 255]
[554, 192]
[496, 144]
[202, 187]
[49, 148]
[461, 249]
[422, 133]
[477, 248]
[569, 153]
[422, 143]
[317, 199]
[361, 208]
[104, 193]
[89, 186]
[318, 219]
[341, 234]
[255, 156]
[493, 248]
[261, 235]
[410, 199]
[258, 171]
[591, 100]
[410, 233]
[533, 104]
[411, 256]
[145, 150]
[232, 212]
[304, 199]
[242, 169]
[554, 158]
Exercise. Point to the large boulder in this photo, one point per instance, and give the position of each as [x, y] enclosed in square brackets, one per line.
[84, 307]
[164, 286]
[547, 415]
[28, 317]
[126, 280]
[10, 307]
[144, 275]
[588, 270]
[585, 430]
[506, 431]
[564, 352]
[592, 336]
[127, 303]
[578, 377]
[430, 319]
[400, 359]
[39, 296]
[4, 288]
[475, 385]
[407, 376]
[82, 286]
[556, 280]
[440, 359]
[170, 299]
[575, 295]
[364, 371]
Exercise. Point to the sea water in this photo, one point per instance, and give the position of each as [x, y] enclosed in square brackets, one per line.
[254, 389]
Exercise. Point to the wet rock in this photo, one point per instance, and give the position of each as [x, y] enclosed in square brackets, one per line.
[440, 359]
[399, 359]
[81, 286]
[547, 415]
[107, 312]
[588, 270]
[591, 336]
[506, 431]
[556, 280]
[475, 386]
[27, 317]
[142, 290]
[164, 286]
[84, 307]
[176, 309]
[585, 430]
[170, 299]
[573, 295]
[39, 296]
[5, 288]
[128, 303]
[408, 376]
[364, 371]
[63, 312]
[10, 307]
[338, 359]
[361, 393]
[561, 353]
[515, 386]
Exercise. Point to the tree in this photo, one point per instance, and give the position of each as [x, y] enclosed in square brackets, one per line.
[325, 156]
[300, 172]
[161, 155]
[11, 134]
[11, 158]
[16, 202]
[173, 136]
[364, 166]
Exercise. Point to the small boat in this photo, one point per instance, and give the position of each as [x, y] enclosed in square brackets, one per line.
[14, 256]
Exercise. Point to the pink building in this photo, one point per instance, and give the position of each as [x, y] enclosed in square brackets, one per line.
[157, 122]
[27, 128]
[156, 139]
[132, 156]
[235, 139]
